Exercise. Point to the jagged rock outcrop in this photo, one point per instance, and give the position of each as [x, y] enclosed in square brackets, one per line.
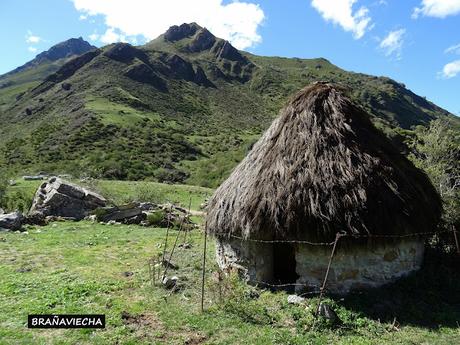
[145, 74]
[72, 66]
[201, 78]
[179, 68]
[178, 32]
[224, 50]
[66, 71]
[59, 198]
[203, 40]
[125, 52]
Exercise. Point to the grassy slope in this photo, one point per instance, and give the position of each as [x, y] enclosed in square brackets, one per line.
[79, 268]
[18, 83]
[108, 125]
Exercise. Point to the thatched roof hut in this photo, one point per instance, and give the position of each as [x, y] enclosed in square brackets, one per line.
[321, 168]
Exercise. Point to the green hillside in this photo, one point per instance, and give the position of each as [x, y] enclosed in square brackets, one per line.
[186, 107]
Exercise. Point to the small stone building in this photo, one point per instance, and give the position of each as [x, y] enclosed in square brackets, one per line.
[322, 168]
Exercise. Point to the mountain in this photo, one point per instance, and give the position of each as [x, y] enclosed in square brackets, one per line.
[185, 107]
[34, 71]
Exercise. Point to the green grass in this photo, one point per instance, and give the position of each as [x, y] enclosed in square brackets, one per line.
[118, 192]
[115, 113]
[69, 267]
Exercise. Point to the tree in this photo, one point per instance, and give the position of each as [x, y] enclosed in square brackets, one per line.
[436, 150]
[3, 187]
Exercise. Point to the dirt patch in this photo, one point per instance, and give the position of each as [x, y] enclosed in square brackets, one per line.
[195, 339]
[141, 320]
[148, 326]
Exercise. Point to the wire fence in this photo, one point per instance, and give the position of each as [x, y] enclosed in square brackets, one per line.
[156, 264]
[343, 234]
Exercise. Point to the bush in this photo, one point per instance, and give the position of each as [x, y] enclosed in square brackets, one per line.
[3, 187]
[148, 193]
[237, 298]
[17, 200]
[156, 218]
[100, 213]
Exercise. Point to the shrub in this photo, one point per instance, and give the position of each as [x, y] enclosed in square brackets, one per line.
[3, 187]
[148, 193]
[156, 218]
[17, 200]
[100, 213]
[237, 298]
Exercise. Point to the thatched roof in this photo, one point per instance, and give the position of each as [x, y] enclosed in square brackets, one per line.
[322, 167]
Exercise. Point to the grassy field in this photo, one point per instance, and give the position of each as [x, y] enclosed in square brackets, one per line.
[118, 192]
[83, 267]
[70, 267]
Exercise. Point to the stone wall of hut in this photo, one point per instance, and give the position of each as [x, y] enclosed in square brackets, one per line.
[353, 268]
[253, 260]
[358, 267]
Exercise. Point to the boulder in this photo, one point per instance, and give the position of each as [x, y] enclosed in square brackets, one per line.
[170, 283]
[35, 219]
[167, 263]
[11, 221]
[294, 299]
[33, 177]
[326, 311]
[2, 211]
[59, 198]
[148, 206]
[119, 213]
[136, 219]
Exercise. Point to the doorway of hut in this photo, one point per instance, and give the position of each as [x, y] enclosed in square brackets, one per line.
[284, 265]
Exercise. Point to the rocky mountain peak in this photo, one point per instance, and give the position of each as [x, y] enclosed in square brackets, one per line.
[73, 46]
[177, 33]
[69, 48]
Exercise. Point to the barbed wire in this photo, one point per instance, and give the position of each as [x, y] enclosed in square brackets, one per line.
[343, 235]
[283, 241]
[277, 285]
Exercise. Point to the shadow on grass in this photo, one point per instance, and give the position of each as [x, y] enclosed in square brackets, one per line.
[428, 298]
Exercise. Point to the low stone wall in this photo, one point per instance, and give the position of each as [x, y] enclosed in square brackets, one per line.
[360, 267]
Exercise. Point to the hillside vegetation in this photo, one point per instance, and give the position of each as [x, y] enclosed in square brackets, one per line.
[186, 107]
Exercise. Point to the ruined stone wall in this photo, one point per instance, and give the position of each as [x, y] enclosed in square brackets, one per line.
[355, 268]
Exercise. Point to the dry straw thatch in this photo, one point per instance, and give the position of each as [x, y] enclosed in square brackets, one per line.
[322, 167]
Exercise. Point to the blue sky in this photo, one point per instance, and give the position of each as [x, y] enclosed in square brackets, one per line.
[416, 42]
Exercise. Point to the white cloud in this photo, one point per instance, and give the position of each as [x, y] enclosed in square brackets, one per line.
[453, 49]
[237, 21]
[341, 12]
[32, 49]
[94, 37]
[111, 36]
[392, 44]
[437, 8]
[450, 70]
[83, 17]
[31, 38]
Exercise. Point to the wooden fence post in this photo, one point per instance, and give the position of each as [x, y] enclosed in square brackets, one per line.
[204, 267]
[456, 239]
